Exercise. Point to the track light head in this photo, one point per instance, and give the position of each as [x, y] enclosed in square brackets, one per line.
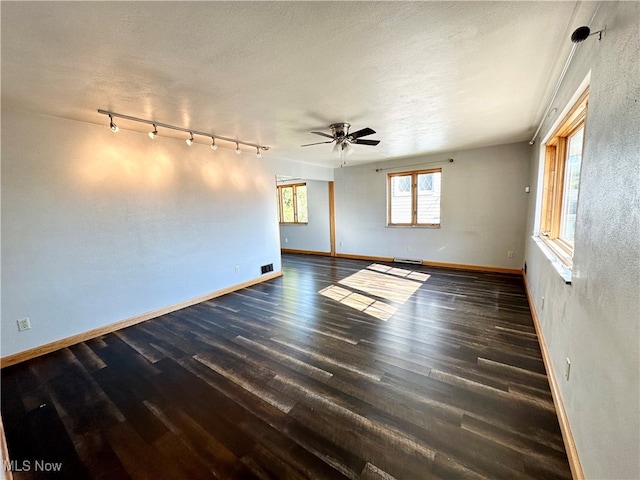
[153, 134]
[238, 151]
[190, 139]
[213, 143]
[580, 34]
[114, 128]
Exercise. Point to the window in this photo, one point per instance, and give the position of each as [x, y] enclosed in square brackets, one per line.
[414, 198]
[292, 203]
[563, 158]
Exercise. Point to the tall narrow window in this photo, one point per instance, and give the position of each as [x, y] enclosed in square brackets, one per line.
[571, 184]
[414, 198]
[562, 182]
[292, 203]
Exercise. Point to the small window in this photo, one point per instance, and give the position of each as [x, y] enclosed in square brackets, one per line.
[292, 203]
[414, 198]
[562, 182]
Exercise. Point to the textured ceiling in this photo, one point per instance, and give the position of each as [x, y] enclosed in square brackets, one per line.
[427, 76]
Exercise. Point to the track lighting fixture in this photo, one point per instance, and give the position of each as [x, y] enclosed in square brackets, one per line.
[580, 34]
[189, 141]
[258, 154]
[113, 126]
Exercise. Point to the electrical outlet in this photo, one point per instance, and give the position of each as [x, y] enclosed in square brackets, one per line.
[542, 306]
[24, 324]
[408, 248]
[286, 240]
[567, 369]
[237, 269]
[510, 254]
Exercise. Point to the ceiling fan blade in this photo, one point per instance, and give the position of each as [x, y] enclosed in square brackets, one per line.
[362, 133]
[317, 143]
[323, 134]
[366, 142]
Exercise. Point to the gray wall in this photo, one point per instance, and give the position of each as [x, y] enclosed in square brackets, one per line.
[595, 320]
[314, 236]
[98, 227]
[483, 209]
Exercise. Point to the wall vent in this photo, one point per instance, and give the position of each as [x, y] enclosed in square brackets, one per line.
[267, 268]
[412, 261]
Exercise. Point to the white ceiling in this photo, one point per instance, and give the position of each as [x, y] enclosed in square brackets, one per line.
[427, 76]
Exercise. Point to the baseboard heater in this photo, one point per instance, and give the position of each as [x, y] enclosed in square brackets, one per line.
[412, 261]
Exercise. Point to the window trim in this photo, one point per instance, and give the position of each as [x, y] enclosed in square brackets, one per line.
[553, 182]
[414, 197]
[295, 203]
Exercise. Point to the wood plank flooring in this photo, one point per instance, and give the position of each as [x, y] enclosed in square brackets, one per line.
[277, 381]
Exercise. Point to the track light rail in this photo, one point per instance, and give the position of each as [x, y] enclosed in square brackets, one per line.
[181, 129]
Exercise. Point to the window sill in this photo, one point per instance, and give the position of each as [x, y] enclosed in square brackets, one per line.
[556, 261]
[412, 226]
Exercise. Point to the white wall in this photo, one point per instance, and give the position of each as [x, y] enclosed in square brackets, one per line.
[483, 209]
[99, 227]
[299, 170]
[313, 236]
[595, 320]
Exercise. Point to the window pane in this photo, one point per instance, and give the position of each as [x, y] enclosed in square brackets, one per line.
[402, 185]
[400, 199]
[425, 182]
[571, 184]
[301, 197]
[429, 198]
[287, 204]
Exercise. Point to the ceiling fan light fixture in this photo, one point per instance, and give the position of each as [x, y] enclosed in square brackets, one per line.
[189, 141]
[344, 140]
[213, 143]
[238, 151]
[154, 133]
[348, 149]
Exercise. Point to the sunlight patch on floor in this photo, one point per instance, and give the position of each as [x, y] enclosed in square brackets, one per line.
[381, 281]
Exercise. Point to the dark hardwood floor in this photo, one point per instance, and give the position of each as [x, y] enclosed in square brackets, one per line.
[280, 381]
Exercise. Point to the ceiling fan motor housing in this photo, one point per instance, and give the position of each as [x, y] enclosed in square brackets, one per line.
[340, 130]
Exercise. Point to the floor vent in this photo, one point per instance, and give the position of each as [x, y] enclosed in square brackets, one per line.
[412, 261]
[267, 268]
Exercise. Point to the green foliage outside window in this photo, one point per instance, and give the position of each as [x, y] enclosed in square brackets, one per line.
[292, 203]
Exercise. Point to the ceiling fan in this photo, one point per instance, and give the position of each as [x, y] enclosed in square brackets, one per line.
[344, 139]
